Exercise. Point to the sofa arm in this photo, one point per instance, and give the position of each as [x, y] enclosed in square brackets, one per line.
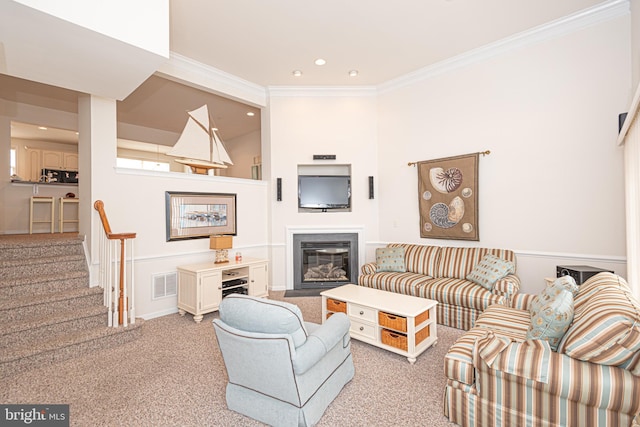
[525, 359]
[526, 367]
[507, 287]
[522, 301]
[369, 268]
[331, 333]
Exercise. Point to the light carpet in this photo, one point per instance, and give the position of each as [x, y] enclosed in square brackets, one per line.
[174, 375]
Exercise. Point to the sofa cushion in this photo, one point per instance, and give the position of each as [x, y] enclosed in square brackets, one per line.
[550, 292]
[551, 321]
[421, 259]
[489, 270]
[606, 325]
[504, 319]
[458, 262]
[457, 292]
[402, 283]
[390, 259]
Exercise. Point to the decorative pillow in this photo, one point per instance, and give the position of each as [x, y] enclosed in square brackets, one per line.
[550, 292]
[489, 270]
[390, 259]
[552, 320]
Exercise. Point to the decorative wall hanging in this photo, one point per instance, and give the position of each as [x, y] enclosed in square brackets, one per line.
[199, 215]
[448, 197]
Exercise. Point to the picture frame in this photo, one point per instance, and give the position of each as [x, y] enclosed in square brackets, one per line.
[191, 215]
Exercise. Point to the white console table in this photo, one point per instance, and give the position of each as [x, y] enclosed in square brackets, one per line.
[201, 287]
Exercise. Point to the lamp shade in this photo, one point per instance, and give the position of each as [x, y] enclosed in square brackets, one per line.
[220, 242]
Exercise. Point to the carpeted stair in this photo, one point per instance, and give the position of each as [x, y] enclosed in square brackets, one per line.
[48, 312]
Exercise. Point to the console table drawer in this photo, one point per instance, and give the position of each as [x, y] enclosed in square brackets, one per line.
[364, 329]
[363, 313]
[336, 305]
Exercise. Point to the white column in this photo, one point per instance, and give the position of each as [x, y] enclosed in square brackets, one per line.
[97, 148]
[5, 181]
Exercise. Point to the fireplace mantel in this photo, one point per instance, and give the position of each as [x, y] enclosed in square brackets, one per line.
[292, 230]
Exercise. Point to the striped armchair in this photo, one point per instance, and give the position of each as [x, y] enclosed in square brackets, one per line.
[439, 273]
[496, 377]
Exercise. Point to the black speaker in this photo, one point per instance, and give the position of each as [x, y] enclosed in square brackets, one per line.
[621, 119]
[324, 157]
[279, 189]
[371, 187]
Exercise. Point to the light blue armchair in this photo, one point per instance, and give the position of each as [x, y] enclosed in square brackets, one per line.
[282, 371]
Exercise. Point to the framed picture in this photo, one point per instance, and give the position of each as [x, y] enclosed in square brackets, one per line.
[199, 215]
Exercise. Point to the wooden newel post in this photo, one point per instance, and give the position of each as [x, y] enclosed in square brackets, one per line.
[122, 300]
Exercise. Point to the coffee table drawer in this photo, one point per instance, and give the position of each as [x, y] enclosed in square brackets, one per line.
[366, 330]
[360, 312]
[336, 305]
[392, 321]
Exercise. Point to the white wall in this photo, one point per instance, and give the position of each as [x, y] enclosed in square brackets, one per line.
[120, 19]
[303, 123]
[134, 202]
[242, 150]
[552, 187]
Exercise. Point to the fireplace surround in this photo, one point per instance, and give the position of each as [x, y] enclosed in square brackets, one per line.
[324, 260]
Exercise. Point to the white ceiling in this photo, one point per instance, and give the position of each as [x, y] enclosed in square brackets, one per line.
[264, 41]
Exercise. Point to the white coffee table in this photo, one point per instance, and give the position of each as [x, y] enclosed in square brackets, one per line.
[399, 323]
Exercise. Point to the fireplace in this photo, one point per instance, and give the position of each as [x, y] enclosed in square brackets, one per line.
[324, 260]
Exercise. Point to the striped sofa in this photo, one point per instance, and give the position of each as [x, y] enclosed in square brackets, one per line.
[439, 273]
[495, 377]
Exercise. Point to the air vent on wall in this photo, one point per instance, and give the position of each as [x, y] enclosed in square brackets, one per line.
[165, 285]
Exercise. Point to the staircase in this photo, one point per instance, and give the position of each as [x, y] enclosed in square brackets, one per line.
[48, 312]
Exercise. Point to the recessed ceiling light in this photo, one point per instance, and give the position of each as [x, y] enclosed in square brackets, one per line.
[251, 114]
[353, 73]
[320, 61]
[297, 73]
[42, 128]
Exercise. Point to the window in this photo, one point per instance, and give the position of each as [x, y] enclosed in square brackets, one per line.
[142, 164]
[12, 168]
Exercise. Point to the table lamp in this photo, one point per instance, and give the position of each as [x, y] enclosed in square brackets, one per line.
[221, 244]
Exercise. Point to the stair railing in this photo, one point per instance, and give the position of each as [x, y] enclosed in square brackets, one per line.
[118, 292]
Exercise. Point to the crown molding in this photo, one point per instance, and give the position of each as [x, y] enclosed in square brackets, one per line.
[321, 91]
[571, 23]
[184, 69]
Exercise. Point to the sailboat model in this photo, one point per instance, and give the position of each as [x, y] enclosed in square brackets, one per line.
[199, 146]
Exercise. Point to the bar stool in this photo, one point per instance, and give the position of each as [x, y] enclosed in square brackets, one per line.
[61, 219]
[51, 220]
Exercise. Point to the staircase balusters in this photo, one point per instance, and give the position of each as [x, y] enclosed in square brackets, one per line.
[118, 291]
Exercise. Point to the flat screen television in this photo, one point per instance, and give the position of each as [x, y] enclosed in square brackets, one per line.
[324, 191]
